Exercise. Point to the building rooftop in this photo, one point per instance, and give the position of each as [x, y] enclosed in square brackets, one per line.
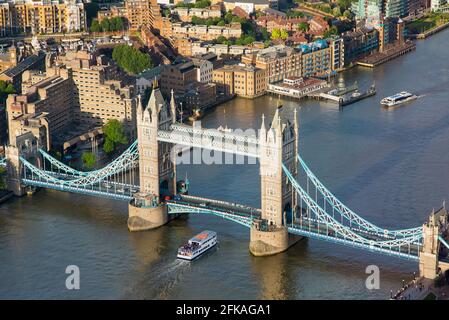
[24, 65]
[150, 74]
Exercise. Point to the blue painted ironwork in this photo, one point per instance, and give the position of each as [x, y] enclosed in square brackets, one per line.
[316, 222]
[336, 232]
[351, 215]
[130, 154]
[90, 192]
[180, 207]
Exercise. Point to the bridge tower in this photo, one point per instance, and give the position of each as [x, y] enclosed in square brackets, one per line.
[429, 265]
[277, 145]
[156, 170]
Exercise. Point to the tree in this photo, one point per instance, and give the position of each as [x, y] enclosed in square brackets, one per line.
[347, 14]
[131, 59]
[89, 160]
[264, 34]
[303, 26]
[108, 146]
[336, 11]
[202, 4]
[5, 89]
[331, 32]
[279, 34]
[275, 34]
[345, 4]
[105, 24]
[220, 39]
[95, 26]
[114, 135]
[228, 17]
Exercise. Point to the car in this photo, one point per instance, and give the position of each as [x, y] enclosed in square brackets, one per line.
[203, 204]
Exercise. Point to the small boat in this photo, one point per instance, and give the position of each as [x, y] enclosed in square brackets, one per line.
[398, 98]
[198, 245]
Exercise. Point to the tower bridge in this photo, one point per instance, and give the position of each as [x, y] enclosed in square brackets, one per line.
[294, 202]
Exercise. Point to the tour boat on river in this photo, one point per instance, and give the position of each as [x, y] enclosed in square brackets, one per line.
[398, 98]
[198, 245]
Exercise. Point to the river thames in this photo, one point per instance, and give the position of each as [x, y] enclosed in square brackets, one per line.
[389, 166]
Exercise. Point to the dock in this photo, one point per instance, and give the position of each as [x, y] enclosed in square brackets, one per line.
[378, 58]
[345, 96]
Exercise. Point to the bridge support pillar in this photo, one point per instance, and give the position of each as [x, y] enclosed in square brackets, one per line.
[270, 242]
[14, 168]
[145, 218]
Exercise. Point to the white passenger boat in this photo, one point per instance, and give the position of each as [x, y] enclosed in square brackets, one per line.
[398, 98]
[198, 245]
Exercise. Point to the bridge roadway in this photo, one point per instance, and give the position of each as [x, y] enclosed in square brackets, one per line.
[111, 190]
[231, 211]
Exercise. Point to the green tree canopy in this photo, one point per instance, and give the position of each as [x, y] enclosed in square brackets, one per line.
[95, 26]
[5, 89]
[303, 26]
[105, 24]
[345, 4]
[279, 34]
[131, 59]
[89, 160]
[202, 3]
[114, 135]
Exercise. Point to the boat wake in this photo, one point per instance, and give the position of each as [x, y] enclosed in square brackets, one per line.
[159, 280]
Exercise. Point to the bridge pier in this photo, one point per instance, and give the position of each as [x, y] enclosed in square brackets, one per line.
[14, 168]
[270, 240]
[142, 218]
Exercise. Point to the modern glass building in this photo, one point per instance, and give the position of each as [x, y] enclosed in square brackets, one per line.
[372, 10]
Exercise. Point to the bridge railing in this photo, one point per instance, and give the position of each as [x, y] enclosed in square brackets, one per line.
[350, 215]
[344, 232]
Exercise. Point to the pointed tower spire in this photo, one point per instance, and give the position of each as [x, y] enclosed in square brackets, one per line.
[173, 106]
[295, 119]
[139, 104]
[155, 83]
[262, 127]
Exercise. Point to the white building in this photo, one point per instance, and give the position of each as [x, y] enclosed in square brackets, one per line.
[204, 69]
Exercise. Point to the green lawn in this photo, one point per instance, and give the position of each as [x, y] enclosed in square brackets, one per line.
[426, 23]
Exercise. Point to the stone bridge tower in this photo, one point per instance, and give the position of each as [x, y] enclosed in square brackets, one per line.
[278, 144]
[429, 264]
[156, 170]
